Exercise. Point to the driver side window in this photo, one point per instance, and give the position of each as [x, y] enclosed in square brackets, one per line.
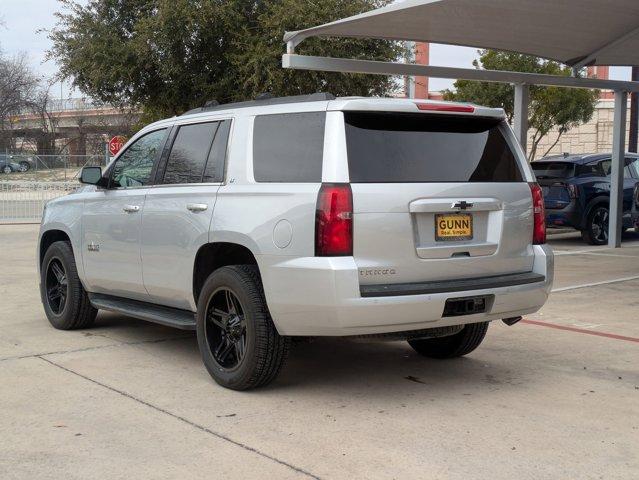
[135, 165]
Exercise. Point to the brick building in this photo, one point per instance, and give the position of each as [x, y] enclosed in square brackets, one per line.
[592, 137]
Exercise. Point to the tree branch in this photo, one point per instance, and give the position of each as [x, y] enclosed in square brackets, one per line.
[554, 144]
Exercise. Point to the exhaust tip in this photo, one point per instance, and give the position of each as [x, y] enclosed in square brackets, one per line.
[511, 321]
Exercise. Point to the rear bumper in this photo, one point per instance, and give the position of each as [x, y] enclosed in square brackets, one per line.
[314, 296]
[569, 216]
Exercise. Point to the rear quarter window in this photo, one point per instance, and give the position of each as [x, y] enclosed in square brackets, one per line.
[416, 148]
[289, 147]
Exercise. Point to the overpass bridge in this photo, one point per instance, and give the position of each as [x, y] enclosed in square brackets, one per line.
[77, 126]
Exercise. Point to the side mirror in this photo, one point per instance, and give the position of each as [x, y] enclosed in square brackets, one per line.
[91, 176]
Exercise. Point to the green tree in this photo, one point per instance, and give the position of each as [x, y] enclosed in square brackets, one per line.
[167, 56]
[550, 107]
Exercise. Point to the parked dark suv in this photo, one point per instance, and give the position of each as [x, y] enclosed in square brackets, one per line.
[577, 192]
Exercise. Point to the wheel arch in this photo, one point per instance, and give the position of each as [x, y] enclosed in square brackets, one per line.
[48, 238]
[592, 203]
[212, 256]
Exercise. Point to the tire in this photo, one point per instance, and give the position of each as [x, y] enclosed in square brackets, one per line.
[241, 348]
[456, 345]
[7, 169]
[24, 167]
[76, 310]
[596, 230]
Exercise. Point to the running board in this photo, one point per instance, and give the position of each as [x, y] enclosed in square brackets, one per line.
[170, 317]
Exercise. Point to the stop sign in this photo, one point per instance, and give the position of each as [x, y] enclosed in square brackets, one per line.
[115, 144]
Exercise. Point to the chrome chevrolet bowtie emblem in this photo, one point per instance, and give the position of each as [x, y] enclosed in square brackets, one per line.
[463, 205]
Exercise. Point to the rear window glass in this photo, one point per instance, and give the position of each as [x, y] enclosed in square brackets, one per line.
[553, 169]
[289, 147]
[410, 148]
[198, 153]
[189, 153]
[214, 171]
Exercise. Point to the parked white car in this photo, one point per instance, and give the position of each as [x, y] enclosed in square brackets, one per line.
[305, 216]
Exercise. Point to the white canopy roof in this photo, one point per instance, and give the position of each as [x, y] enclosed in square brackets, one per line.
[574, 32]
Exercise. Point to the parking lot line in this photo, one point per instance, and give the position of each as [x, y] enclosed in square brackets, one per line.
[598, 254]
[581, 330]
[185, 420]
[595, 284]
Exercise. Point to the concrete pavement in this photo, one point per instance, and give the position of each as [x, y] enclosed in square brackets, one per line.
[556, 397]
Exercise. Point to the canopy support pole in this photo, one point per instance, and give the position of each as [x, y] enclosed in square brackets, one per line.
[520, 116]
[617, 173]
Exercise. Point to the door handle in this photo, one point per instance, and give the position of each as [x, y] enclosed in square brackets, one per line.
[197, 207]
[131, 208]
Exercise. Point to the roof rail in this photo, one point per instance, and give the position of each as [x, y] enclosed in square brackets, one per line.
[263, 100]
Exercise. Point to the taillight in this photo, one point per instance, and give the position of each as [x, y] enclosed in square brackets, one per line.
[539, 213]
[334, 221]
[444, 107]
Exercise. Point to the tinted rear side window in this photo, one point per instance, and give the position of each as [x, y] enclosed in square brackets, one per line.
[214, 171]
[408, 148]
[198, 153]
[289, 147]
[189, 153]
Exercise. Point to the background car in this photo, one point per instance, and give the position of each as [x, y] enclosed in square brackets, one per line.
[7, 165]
[576, 192]
[23, 163]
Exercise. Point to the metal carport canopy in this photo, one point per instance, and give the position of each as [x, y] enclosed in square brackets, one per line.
[573, 32]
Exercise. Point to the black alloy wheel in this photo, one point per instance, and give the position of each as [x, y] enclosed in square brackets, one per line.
[57, 287]
[240, 346]
[226, 329]
[596, 231]
[65, 301]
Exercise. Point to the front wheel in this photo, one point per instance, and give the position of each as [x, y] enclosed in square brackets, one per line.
[7, 169]
[24, 167]
[65, 302]
[239, 344]
[596, 231]
[452, 346]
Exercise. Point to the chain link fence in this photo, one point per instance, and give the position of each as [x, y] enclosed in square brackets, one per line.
[23, 202]
[28, 182]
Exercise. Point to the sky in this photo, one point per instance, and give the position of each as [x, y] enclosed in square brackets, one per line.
[24, 20]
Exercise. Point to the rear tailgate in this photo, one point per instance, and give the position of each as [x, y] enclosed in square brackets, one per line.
[552, 177]
[436, 197]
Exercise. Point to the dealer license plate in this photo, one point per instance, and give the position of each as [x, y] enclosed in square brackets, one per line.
[450, 227]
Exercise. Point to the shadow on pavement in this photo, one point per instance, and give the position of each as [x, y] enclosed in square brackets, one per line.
[335, 366]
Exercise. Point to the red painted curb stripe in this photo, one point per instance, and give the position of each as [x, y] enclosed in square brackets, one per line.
[581, 330]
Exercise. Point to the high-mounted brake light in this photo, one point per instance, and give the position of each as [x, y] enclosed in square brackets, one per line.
[539, 213]
[334, 220]
[442, 107]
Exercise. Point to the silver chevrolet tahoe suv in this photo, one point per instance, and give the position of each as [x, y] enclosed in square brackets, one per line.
[256, 222]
